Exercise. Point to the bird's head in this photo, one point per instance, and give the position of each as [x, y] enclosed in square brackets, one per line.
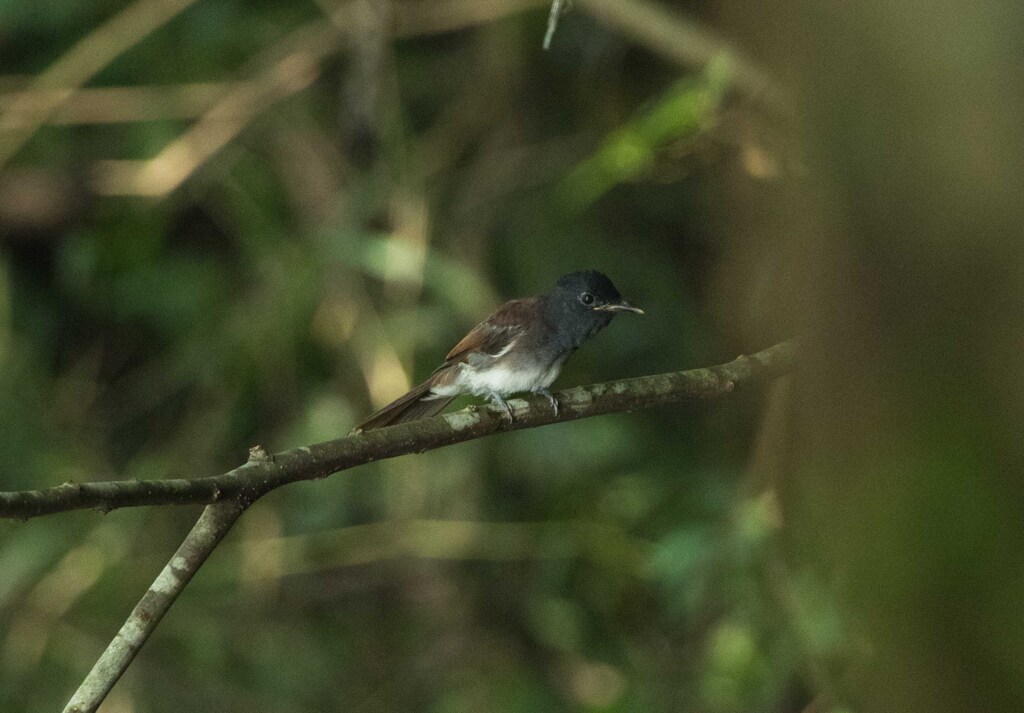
[583, 302]
[592, 291]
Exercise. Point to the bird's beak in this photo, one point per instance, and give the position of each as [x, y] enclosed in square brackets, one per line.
[620, 306]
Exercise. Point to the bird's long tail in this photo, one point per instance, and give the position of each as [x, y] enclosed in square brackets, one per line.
[409, 407]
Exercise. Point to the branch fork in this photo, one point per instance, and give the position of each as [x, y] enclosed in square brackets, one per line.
[228, 495]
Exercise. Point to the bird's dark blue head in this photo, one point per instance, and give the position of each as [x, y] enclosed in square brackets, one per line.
[582, 303]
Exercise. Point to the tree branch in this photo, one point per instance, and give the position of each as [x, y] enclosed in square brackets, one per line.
[261, 475]
[208, 531]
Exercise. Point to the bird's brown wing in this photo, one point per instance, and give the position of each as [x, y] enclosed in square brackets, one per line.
[495, 333]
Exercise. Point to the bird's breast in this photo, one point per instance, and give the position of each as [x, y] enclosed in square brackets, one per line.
[505, 376]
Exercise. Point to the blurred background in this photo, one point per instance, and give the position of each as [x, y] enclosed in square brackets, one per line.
[226, 223]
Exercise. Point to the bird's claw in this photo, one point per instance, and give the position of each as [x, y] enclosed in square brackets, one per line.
[551, 399]
[497, 400]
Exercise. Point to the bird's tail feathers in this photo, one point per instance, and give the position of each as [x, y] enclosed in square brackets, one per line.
[414, 405]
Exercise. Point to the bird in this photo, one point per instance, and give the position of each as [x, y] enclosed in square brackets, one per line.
[520, 347]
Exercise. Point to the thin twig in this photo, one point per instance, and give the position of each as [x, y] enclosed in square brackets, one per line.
[208, 531]
[260, 476]
[557, 10]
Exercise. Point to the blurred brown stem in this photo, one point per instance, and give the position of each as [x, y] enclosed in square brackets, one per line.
[109, 105]
[285, 68]
[83, 62]
[261, 475]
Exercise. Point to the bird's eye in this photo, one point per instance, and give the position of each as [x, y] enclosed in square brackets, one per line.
[587, 299]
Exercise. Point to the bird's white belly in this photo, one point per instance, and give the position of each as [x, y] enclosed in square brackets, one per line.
[499, 380]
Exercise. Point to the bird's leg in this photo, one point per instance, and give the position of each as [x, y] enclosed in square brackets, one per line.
[498, 400]
[551, 399]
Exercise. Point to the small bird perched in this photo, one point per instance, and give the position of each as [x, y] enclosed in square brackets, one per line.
[520, 347]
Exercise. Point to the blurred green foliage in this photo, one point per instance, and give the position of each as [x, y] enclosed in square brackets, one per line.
[632, 149]
[321, 261]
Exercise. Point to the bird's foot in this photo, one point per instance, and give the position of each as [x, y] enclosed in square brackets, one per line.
[498, 400]
[551, 399]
